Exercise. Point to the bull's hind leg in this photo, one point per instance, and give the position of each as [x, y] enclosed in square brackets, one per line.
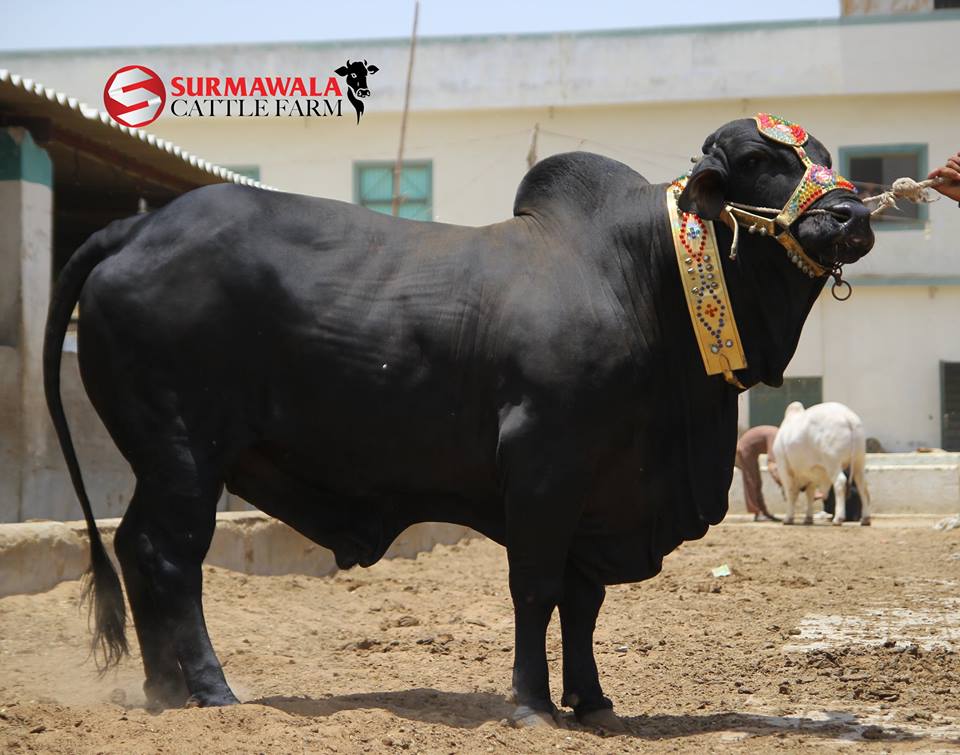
[164, 685]
[164, 540]
[174, 449]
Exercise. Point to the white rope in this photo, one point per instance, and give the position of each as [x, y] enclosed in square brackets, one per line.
[905, 188]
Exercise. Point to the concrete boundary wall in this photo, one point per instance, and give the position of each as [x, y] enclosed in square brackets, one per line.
[35, 556]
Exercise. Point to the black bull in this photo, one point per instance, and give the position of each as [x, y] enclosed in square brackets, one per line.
[352, 374]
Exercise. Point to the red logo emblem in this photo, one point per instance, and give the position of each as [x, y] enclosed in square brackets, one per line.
[134, 96]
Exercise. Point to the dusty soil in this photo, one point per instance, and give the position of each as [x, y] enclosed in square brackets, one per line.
[820, 638]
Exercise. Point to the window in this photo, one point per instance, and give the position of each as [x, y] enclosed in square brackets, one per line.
[373, 188]
[767, 404]
[874, 169]
[950, 406]
[250, 171]
[945, 4]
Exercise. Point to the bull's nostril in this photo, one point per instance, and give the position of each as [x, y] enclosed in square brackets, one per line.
[851, 211]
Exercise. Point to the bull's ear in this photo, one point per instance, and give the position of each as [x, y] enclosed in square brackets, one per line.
[706, 189]
[341, 71]
[372, 69]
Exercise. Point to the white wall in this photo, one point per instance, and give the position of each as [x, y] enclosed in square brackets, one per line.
[813, 58]
[880, 353]
[882, 350]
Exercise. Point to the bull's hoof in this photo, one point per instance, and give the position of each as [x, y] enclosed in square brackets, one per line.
[605, 720]
[525, 717]
[166, 694]
[807, 521]
[865, 522]
[211, 700]
[787, 521]
[838, 522]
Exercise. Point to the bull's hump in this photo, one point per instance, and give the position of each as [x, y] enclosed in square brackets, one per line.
[578, 183]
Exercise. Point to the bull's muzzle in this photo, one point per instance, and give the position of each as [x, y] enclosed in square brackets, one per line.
[856, 235]
[363, 92]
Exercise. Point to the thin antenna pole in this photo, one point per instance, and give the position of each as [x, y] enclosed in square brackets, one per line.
[398, 166]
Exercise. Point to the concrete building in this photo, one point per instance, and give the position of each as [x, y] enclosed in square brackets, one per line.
[648, 98]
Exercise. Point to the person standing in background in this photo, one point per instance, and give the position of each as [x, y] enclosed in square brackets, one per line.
[755, 441]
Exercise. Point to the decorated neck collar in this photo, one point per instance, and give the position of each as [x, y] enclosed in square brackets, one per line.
[708, 302]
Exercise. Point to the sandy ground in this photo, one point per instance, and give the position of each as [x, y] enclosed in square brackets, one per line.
[821, 639]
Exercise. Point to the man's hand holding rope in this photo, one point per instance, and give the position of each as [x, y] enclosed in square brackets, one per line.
[950, 173]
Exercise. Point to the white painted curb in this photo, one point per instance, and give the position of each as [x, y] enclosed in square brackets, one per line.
[35, 556]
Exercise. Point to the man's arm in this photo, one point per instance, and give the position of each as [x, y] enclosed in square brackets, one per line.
[951, 175]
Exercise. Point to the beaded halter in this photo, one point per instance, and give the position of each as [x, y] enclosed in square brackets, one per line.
[698, 257]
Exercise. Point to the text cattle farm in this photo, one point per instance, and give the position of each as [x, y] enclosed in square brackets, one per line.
[198, 96]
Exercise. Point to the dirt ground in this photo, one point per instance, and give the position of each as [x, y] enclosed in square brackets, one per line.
[821, 638]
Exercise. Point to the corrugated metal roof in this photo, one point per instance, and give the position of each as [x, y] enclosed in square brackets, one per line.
[69, 113]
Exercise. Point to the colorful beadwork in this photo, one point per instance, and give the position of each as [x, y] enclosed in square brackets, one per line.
[781, 130]
[817, 181]
[702, 274]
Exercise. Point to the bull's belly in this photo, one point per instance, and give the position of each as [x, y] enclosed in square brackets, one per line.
[381, 468]
[356, 501]
[353, 474]
[381, 444]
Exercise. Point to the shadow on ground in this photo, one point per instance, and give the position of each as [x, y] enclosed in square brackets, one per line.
[463, 710]
[469, 710]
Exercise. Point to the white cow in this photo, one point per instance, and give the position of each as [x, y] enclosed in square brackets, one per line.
[812, 448]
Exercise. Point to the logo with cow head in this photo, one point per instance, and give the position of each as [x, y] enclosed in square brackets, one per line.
[134, 96]
[356, 75]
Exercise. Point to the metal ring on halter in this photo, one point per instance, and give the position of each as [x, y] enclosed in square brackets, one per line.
[840, 283]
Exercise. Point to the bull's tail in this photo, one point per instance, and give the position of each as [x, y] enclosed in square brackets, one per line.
[101, 584]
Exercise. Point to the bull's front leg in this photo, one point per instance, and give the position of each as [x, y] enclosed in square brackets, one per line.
[582, 598]
[532, 607]
[544, 482]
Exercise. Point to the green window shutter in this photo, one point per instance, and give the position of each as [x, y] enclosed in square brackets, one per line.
[874, 168]
[767, 404]
[373, 188]
[376, 184]
[950, 406]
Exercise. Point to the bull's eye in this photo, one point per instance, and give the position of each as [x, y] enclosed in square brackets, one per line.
[353, 75]
[749, 162]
